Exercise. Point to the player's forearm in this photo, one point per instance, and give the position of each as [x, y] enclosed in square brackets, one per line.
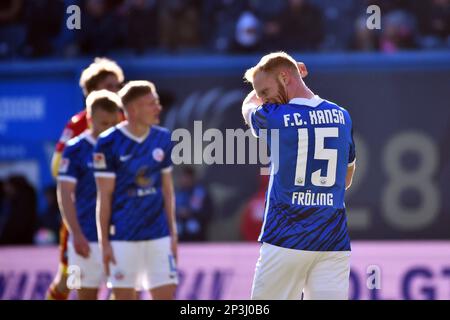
[349, 176]
[56, 159]
[169, 205]
[250, 103]
[68, 211]
[103, 215]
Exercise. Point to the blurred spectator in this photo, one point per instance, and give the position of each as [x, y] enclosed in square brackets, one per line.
[193, 207]
[180, 24]
[398, 31]
[365, 39]
[100, 28]
[434, 21]
[298, 27]
[49, 221]
[142, 25]
[253, 213]
[219, 21]
[43, 24]
[247, 33]
[12, 30]
[37, 28]
[256, 22]
[267, 9]
[19, 211]
[339, 17]
[387, 6]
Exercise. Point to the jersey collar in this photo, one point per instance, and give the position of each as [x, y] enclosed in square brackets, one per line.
[122, 127]
[89, 137]
[313, 102]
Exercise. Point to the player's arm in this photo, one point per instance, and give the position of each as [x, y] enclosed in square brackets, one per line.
[66, 201]
[56, 160]
[169, 206]
[251, 102]
[105, 189]
[67, 134]
[351, 167]
[349, 177]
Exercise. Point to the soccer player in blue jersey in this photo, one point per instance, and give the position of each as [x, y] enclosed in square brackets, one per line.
[135, 206]
[77, 192]
[305, 242]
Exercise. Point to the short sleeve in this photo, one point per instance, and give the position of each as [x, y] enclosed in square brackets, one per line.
[259, 118]
[103, 159]
[69, 166]
[352, 151]
[167, 164]
[66, 135]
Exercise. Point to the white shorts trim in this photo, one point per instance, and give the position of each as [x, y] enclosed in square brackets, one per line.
[104, 174]
[283, 274]
[67, 179]
[143, 265]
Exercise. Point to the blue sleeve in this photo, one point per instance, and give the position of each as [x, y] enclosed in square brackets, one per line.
[69, 167]
[259, 118]
[103, 158]
[167, 161]
[352, 152]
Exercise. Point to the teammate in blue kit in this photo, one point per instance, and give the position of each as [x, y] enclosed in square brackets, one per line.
[77, 191]
[135, 205]
[305, 242]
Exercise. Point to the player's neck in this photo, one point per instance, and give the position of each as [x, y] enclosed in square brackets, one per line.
[301, 92]
[137, 130]
[94, 134]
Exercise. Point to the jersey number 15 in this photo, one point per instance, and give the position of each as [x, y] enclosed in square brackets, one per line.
[320, 153]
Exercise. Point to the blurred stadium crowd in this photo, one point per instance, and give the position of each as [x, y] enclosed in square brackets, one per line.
[30, 29]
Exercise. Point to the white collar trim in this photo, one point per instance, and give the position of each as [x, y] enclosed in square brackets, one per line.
[313, 102]
[89, 137]
[122, 127]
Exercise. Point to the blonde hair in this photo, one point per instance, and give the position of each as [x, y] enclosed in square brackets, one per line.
[270, 62]
[136, 89]
[97, 71]
[103, 100]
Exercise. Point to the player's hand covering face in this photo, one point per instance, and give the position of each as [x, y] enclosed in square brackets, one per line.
[269, 89]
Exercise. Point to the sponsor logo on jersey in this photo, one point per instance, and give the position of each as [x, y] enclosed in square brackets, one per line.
[158, 154]
[99, 161]
[142, 177]
[125, 158]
